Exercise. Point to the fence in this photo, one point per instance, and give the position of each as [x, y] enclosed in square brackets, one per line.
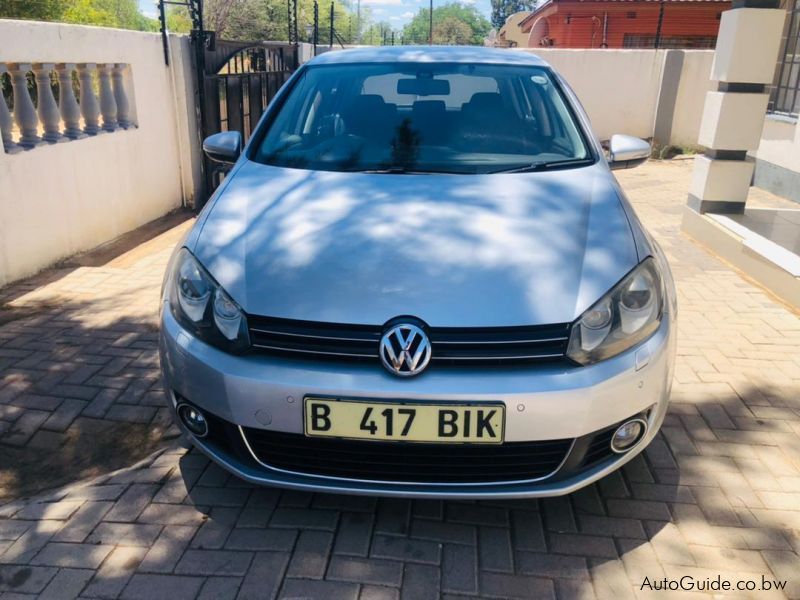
[60, 118]
[97, 134]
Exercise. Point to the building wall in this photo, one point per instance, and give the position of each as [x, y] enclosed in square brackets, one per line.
[63, 198]
[621, 90]
[510, 34]
[605, 24]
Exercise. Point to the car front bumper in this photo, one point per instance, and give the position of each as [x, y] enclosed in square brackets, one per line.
[544, 402]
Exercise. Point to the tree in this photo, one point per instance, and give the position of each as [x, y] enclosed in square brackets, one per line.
[123, 14]
[217, 13]
[268, 19]
[231, 19]
[452, 32]
[502, 9]
[450, 24]
[178, 19]
[246, 20]
[43, 10]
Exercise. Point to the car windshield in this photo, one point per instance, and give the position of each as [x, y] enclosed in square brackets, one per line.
[424, 118]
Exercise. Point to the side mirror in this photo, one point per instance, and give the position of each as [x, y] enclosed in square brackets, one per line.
[223, 147]
[626, 151]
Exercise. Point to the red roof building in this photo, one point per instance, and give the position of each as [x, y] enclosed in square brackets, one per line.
[624, 23]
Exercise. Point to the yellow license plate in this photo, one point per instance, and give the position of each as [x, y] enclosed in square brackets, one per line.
[406, 421]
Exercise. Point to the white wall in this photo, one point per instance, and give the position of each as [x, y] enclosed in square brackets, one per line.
[620, 88]
[60, 199]
[695, 82]
[777, 165]
[780, 143]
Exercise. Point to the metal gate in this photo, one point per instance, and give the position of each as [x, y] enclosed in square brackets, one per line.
[235, 80]
[239, 81]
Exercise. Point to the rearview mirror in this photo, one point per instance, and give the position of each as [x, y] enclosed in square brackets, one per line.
[223, 147]
[423, 86]
[626, 151]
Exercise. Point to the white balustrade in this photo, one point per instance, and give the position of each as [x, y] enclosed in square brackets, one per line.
[121, 97]
[6, 123]
[48, 121]
[24, 111]
[67, 104]
[90, 109]
[108, 104]
[47, 109]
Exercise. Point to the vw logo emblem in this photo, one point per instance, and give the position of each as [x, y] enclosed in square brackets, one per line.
[405, 350]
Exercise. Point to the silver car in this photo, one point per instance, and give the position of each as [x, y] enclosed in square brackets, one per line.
[420, 278]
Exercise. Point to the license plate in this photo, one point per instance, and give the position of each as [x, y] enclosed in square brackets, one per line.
[406, 421]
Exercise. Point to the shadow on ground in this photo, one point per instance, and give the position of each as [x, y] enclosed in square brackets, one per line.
[74, 402]
[91, 447]
[79, 383]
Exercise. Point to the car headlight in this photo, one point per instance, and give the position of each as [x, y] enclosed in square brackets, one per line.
[625, 316]
[201, 305]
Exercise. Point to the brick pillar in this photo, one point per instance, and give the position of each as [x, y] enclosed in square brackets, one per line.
[733, 116]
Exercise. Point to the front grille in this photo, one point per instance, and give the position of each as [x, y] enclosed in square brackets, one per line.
[320, 340]
[499, 344]
[407, 462]
[450, 345]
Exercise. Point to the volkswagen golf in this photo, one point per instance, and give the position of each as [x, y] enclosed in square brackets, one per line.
[420, 277]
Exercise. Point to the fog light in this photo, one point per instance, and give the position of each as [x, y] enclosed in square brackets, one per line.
[626, 436]
[193, 419]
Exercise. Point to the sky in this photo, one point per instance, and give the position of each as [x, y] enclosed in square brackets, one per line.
[396, 12]
[400, 12]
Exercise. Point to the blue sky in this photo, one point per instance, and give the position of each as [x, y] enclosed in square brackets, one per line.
[148, 8]
[399, 12]
[396, 12]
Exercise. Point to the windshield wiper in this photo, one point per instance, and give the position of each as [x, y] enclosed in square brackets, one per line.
[386, 171]
[392, 171]
[546, 165]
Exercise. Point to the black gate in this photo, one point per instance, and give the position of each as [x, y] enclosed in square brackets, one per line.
[239, 81]
[235, 80]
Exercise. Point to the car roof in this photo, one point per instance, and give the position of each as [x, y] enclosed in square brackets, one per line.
[429, 54]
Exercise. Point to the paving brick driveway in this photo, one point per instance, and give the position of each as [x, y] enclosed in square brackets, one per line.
[718, 493]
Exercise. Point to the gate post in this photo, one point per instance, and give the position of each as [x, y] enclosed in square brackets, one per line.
[733, 116]
[315, 40]
[198, 39]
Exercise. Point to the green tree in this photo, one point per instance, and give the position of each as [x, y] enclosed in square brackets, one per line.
[376, 34]
[41, 10]
[452, 32]
[123, 14]
[344, 22]
[231, 19]
[178, 20]
[450, 24]
[268, 19]
[502, 9]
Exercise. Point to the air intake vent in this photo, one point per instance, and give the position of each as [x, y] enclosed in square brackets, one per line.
[411, 463]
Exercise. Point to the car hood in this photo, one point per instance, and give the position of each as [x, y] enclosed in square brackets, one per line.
[452, 250]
